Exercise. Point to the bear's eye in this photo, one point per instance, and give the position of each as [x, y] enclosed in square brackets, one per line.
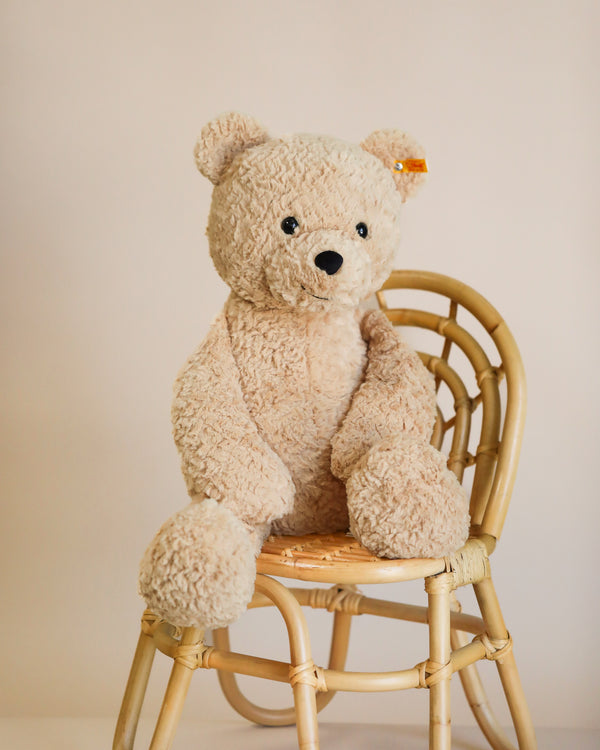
[362, 230]
[289, 225]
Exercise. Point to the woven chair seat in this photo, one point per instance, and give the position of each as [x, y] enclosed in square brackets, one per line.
[337, 558]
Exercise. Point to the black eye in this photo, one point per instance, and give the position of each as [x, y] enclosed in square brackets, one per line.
[361, 228]
[289, 225]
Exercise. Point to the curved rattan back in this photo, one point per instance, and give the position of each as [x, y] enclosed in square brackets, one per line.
[493, 452]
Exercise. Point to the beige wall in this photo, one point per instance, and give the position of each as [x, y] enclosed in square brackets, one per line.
[107, 286]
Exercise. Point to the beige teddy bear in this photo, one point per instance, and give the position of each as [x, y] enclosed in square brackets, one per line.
[299, 412]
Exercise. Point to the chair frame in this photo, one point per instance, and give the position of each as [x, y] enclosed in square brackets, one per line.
[339, 560]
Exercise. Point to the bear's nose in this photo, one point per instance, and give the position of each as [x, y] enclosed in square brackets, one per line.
[329, 261]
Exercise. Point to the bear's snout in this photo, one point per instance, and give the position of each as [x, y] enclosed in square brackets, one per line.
[329, 261]
[323, 264]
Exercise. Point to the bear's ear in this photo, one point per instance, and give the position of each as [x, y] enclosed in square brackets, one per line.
[223, 138]
[402, 155]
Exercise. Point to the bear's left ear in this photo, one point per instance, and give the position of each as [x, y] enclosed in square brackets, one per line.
[402, 155]
[224, 137]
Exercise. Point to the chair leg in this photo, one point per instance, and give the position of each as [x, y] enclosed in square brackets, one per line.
[438, 591]
[340, 640]
[478, 700]
[177, 688]
[279, 717]
[507, 668]
[134, 693]
[300, 657]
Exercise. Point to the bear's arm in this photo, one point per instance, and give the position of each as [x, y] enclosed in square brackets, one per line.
[397, 397]
[222, 453]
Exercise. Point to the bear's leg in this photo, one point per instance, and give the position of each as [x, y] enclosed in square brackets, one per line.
[200, 568]
[404, 502]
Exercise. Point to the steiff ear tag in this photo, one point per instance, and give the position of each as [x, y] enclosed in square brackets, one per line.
[410, 165]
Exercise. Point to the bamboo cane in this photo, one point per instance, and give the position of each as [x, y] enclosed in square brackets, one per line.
[507, 668]
[175, 694]
[134, 693]
[438, 594]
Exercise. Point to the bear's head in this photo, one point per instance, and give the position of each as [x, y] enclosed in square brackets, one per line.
[304, 221]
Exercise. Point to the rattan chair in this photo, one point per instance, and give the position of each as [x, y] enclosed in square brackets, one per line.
[491, 453]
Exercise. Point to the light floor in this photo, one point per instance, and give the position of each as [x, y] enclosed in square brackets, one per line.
[96, 734]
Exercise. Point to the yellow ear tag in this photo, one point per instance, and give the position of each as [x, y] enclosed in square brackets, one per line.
[410, 165]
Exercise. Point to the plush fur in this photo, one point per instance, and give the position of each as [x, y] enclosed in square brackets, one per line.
[299, 413]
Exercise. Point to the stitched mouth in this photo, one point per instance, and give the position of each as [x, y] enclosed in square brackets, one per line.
[314, 295]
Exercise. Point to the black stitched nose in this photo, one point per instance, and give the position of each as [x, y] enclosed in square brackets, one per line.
[329, 262]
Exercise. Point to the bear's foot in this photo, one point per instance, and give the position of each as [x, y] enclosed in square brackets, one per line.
[404, 502]
[200, 568]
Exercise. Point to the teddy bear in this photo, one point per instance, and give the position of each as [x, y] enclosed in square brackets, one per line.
[300, 412]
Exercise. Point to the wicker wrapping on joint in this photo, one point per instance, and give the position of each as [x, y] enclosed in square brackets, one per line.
[431, 673]
[194, 655]
[308, 673]
[150, 622]
[495, 648]
[470, 564]
[336, 599]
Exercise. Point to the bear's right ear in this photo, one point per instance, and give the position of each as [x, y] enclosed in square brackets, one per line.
[402, 155]
[221, 139]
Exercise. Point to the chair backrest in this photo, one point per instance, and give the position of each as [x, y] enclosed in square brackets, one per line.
[485, 399]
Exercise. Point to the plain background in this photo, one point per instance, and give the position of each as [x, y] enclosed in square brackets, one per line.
[107, 287]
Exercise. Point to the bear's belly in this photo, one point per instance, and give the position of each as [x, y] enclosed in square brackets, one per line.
[298, 373]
